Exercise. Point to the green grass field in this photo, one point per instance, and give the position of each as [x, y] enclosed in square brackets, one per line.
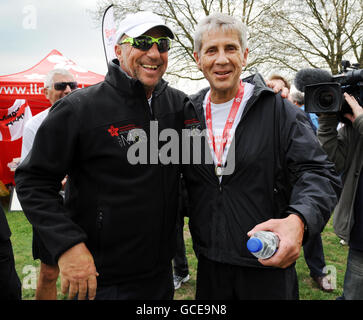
[335, 256]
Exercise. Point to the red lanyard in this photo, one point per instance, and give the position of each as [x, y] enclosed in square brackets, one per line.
[229, 123]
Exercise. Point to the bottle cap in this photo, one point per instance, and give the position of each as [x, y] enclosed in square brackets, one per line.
[254, 245]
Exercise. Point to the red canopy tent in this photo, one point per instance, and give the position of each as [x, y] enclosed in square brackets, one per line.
[28, 85]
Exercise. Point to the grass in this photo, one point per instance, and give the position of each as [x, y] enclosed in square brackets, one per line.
[335, 257]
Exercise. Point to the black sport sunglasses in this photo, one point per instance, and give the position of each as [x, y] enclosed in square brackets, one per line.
[144, 43]
[63, 85]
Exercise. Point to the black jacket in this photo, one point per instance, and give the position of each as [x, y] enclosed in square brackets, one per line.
[125, 213]
[280, 168]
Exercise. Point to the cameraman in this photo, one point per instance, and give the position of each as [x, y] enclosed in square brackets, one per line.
[345, 148]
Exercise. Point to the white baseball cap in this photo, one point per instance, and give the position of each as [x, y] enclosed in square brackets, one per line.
[136, 24]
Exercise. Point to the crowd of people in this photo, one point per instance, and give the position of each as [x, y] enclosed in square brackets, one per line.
[112, 234]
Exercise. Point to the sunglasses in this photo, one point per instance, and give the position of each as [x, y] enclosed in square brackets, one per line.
[63, 85]
[144, 43]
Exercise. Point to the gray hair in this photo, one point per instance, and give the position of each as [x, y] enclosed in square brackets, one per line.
[276, 76]
[48, 81]
[223, 22]
[298, 97]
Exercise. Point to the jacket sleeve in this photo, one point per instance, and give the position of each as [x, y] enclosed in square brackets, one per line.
[38, 179]
[336, 143]
[315, 185]
[358, 124]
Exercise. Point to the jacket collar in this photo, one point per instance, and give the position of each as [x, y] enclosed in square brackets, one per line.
[259, 89]
[124, 83]
[197, 102]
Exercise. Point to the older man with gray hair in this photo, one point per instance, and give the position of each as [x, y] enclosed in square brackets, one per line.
[277, 185]
[57, 84]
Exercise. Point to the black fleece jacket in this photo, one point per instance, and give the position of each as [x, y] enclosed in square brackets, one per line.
[124, 213]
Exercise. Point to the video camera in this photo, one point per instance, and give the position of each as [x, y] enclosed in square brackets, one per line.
[324, 92]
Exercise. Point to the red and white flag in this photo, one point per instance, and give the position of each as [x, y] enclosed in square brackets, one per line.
[13, 119]
[109, 34]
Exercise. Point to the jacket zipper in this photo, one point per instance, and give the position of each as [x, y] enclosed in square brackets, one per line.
[99, 228]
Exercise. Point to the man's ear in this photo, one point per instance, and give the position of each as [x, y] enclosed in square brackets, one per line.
[245, 55]
[119, 55]
[46, 92]
[118, 51]
[197, 60]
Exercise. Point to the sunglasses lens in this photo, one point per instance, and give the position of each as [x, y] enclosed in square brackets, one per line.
[59, 86]
[163, 45]
[144, 43]
[73, 85]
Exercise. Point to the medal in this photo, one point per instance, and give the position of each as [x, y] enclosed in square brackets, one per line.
[219, 171]
[229, 123]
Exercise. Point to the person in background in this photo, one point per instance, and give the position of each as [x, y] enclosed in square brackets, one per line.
[57, 84]
[297, 98]
[345, 148]
[293, 195]
[10, 285]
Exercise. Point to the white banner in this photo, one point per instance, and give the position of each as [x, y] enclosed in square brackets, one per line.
[109, 33]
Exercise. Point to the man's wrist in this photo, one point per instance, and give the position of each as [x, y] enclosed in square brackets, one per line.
[302, 220]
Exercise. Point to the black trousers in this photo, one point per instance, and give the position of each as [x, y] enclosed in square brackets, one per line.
[180, 260]
[10, 285]
[219, 281]
[158, 287]
[314, 255]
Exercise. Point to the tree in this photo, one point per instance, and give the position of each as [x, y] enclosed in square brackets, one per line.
[183, 16]
[284, 35]
[314, 33]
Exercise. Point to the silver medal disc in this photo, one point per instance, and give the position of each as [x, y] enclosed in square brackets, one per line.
[219, 171]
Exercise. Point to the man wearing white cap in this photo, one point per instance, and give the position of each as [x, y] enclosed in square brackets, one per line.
[114, 235]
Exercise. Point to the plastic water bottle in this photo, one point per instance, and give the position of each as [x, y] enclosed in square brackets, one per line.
[263, 244]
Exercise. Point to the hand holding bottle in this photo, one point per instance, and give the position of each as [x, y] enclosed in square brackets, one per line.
[290, 231]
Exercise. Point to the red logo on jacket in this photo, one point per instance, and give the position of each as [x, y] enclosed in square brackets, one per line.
[113, 131]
